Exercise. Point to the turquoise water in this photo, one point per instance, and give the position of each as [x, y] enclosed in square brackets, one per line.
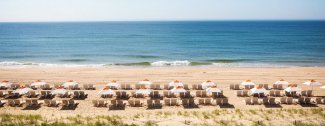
[166, 43]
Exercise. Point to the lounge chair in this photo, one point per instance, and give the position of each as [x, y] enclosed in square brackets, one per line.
[308, 100]
[167, 102]
[185, 102]
[204, 93]
[272, 101]
[255, 101]
[215, 95]
[272, 93]
[246, 87]
[275, 87]
[194, 87]
[186, 87]
[280, 87]
[218, 101]
[199, 87]
[18, 103]
[278, 93]
[137, 103]
[309, 93]
[11, 103]
[191, 102]
[173, 102]
[266, 86]
[245, 93]
[318, 100]
[101, 103]
[157, 103]
[31, 94]
[232, 87]
[283, 100]
[150, 103]
[239, 93]
[301, 100]
[265, 101]
[166, 87]
[237, 87]
[28, 102]
[207, 101]
[201, 101]
[289, 100]
[166, 94]
[288, 94]
[225, 101]
[198, 93]
[303, 93]
[2, 94]
[95, 103]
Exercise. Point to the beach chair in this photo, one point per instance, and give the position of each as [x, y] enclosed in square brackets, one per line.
[215, 95]
[303, 93]
[11, 103]
[283, 100]
[255, 100]
[318, 100]
[199, 87]
[101, 103]
[194, 87]
[201, 101]
[278, 93]
[239, 93]
[182, 95]
[173, 102]
[232, 87]
[157, 103]
[309, 93]
[185, 102]
[150, 103]
[265, 101]
[261, 95]
[35, 102]
[204, 93]
[225, 101]
[128, 87]
[245, 93]
[96, 103]
[18, 103]
[266, 86]
[237, 87]
[91, 87]
[272, 93]
[207, 101]
[280, 87]
[218, 101]
[274, 87]
[85, 86]
[301, 100]
[137, 103]
[246, 87]
[191, 102]
[2, 94]
[288, 94]
[186, 87]
[308, 100]
[137, 86]
[272, 101]
[166, 87]
[167, 102]
[289, 100]
[198, 93]
[28, 102]
[131, 102]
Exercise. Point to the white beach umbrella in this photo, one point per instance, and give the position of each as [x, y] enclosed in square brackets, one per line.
[323, 87]
[113, 83]
[38, 83]
[69, 83]
[292, 89]
[282, 82]
[145, 82]
[207, 84]
[59, 91]
[177, 90]
[312, 83]
[213, 89]
[106, 92]
[22, 90]
[5, 83]
[176, 83]
[143, 91]
[248, 82]
[257, 90]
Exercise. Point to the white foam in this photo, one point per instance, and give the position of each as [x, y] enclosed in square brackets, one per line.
[171, 63]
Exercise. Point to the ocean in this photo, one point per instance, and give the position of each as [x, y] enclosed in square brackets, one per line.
[164, 43]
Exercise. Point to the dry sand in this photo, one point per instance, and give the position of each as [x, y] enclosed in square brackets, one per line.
[162, 75]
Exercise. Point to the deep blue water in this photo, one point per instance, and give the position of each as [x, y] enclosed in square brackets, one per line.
[221, 43]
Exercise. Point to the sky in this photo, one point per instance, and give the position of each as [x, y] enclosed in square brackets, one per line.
[138, 10]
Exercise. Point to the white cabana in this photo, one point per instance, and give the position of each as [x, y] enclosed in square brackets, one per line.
[176, 83]
[113, 83]
[143, 91]
[38, 83]
[22, 91]
[312, 83]
[213, 89]
[177, 90]
[59, 91]
[5, 83]
[247, 82]
[106, 92]
[207, 84]
[282, 82]
[145, 82]
[69, 83]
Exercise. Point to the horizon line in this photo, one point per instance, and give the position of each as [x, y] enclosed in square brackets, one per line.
[72, 21]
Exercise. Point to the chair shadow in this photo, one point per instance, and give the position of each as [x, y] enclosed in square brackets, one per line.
[308, 105]
[32, 107]
[190, 106]
[227, 106]
[273, 106]
[73, 107]
[80, 98]
[116, 108]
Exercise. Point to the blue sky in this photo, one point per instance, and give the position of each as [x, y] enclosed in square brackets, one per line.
[116, 10]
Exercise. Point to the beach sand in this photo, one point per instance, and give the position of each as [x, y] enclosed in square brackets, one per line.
[162, 75]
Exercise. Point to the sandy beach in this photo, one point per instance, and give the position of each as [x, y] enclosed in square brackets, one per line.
[162, 75]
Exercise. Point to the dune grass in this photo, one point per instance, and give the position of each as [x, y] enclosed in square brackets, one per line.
[223, 117]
